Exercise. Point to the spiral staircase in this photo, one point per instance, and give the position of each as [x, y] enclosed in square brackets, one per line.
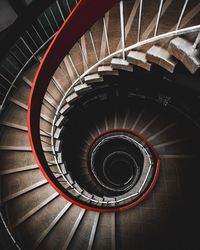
[100, 127]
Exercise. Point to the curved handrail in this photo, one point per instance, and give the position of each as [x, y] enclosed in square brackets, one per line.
[59, 47]
[127, 49]
[137, 45]
[77, 23]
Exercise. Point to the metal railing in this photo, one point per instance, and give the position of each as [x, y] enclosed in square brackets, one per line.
[30, 44]
[80, 80]
[123, 50]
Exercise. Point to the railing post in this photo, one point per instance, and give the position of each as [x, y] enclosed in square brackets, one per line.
[197, 42]
[122, 27]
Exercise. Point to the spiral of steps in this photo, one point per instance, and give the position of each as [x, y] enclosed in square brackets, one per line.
[118, 131]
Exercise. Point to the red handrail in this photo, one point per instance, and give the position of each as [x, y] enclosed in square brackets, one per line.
[83, 16]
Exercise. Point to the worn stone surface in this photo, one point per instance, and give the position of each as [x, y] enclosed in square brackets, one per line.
[184, 51]
[161, 57]
[139, 58]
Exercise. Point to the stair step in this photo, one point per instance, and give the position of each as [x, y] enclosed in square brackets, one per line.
[81, 88]
[93, 78]
[71, 98]
[74, 229]
[69, 178]
[58, 132]
[139, 58]
[65, 108]
[51, 225]
[60, 121]
[35, 209]
[59, 158]
[97, 198]
[19, 169]
[15, 148]
[161, 57]
[107, 199]
[14, 125]
[184, 51]
[107, 70]
[58, 145]
[87, 194]
[63, 168]
[118, 63]
[24, 190]
[77, 187]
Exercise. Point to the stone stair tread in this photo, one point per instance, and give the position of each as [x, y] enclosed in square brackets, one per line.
[81, 88]
[139, 58]
[184, 51]
[107, 70]
[92, 78]
[72, 97]
[119, 63]
[65, 108]
[161, 57]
